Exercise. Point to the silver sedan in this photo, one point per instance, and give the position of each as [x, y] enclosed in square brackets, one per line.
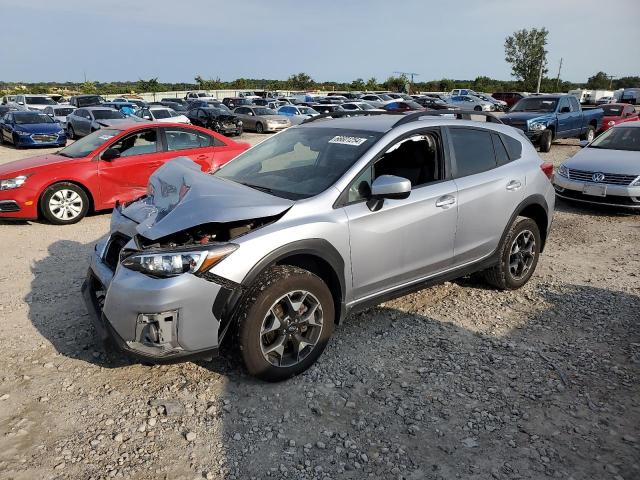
[606, 171]
[261, 119]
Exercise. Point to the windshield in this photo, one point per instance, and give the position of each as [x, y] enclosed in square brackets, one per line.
[308, 111]
[413, 104]
[63, 112]
[264, 111]
[161, 113]
[300, 162]
[536, 105]
[31, 118]
[40, 101]
[107, 114]
[86, 145]
[88, 101]
[619, 138]
[612, 110]
[384, 96]
[365, 106]
[201, 94]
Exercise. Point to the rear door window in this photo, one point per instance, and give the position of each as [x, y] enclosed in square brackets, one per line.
[182, 139]
[473, 151]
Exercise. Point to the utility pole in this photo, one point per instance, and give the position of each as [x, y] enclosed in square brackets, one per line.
[558, 79]
[540, 74]
[406, 74]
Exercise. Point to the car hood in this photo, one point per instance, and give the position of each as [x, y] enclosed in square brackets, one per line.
[39, 128]
[25, 164]
[182, 196]
[621, 162]
[272, 117]
[525, 116]
[115, 121]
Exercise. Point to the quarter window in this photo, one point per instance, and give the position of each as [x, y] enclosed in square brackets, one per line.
[178, 139]
[473, 151]
[501, 152]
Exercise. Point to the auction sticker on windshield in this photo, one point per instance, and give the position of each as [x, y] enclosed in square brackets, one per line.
[353, 141]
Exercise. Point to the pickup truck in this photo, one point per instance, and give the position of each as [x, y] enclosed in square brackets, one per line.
[544, 118]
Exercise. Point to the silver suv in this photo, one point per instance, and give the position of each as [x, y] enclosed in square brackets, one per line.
[323, 219]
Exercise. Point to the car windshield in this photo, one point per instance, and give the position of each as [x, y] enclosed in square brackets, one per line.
[264, 111]
[63, 112]
[300, 162]
[162, 113]
[612, 110]
[365, 106]
[536, 105]
[413, 104]
[202, 94]
[39, 101]
[384, 96]
[107, 114]
[88, 101]
[31, 118]
[308, 111]
[86, 145]
[619, 138]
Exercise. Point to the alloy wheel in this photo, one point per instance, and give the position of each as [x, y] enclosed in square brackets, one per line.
[522, 254]
[590, 135]
[291, 328]
[65, 204]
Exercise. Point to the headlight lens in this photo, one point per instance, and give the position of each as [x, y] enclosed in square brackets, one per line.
[11, 183]
[172, 263]
[563, 171]
[611, 123]
[636, 182]
[536, 126]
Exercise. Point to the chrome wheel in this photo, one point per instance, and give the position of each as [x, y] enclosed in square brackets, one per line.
[591, 135]
[65, 204]
[522, 254]
[291, 328]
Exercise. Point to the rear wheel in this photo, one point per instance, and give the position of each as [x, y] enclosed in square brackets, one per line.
[545, 141]
[589, 135]
[64, 203]
[259, 128]
[519, 252]
[285, 321]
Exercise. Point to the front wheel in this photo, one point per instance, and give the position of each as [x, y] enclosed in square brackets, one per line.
[589, 135]
[285, 321]
[259, 128]
[477, 108]
[519, 252]
[545, 141]
[64, 203]
[71, 134]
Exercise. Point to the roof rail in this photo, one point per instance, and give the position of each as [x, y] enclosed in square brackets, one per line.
[346, 113]
[460, 115]
[407, 118]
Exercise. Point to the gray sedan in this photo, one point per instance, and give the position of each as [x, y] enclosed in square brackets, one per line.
[606, 171]
[83, 121]
[261, 119]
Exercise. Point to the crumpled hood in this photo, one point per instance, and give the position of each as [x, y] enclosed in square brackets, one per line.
[621, 162]
[113, 121]
[181, 196]
[522, 117]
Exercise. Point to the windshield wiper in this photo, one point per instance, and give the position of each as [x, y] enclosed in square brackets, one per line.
[258, 187]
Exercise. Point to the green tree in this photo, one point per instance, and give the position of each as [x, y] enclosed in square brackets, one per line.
[300, 81]
[525, 51]
[358, 84]
[600, 81]
[396, 84]
[88, 87]
[372, 84]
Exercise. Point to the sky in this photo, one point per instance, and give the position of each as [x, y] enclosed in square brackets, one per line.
[64, 40]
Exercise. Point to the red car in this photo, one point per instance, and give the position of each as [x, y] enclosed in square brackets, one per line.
[109, 165]
[615, 113]
[510, 97]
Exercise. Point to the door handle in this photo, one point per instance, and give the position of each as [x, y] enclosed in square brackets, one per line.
[513, 185]
[446, 201]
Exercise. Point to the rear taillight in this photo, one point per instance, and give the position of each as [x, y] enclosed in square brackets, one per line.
[547, 169]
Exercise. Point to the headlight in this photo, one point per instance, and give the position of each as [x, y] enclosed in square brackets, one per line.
[636, 182]
[563, 171]
[11, 183]
[610, 123]
[171, 263]
[537, 127]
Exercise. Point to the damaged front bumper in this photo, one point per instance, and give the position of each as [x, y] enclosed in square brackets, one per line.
[155, 319]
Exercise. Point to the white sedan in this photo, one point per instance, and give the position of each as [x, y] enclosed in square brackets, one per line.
[161, 114]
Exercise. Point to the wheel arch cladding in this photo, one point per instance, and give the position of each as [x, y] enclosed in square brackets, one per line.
[77, 184]
[533, 208]
[315, 255]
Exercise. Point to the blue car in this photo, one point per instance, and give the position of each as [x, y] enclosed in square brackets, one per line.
[31, 129]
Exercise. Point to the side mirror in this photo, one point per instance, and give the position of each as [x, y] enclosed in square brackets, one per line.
[20, 103]
[110, 154]
[584, 143]
[390, 186]
[565, 110]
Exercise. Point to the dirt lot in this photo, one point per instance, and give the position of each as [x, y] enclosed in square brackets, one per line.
[456, 381]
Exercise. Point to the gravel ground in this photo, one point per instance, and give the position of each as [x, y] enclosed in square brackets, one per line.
[455, 381]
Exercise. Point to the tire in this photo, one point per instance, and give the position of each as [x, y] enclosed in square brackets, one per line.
[16, 142]
[268, 335]
[259, 128]
[545, 141]
[589, 135]
[72, 200]
[477, 108]
[71, 134]
[239, 131]
[504, 276]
